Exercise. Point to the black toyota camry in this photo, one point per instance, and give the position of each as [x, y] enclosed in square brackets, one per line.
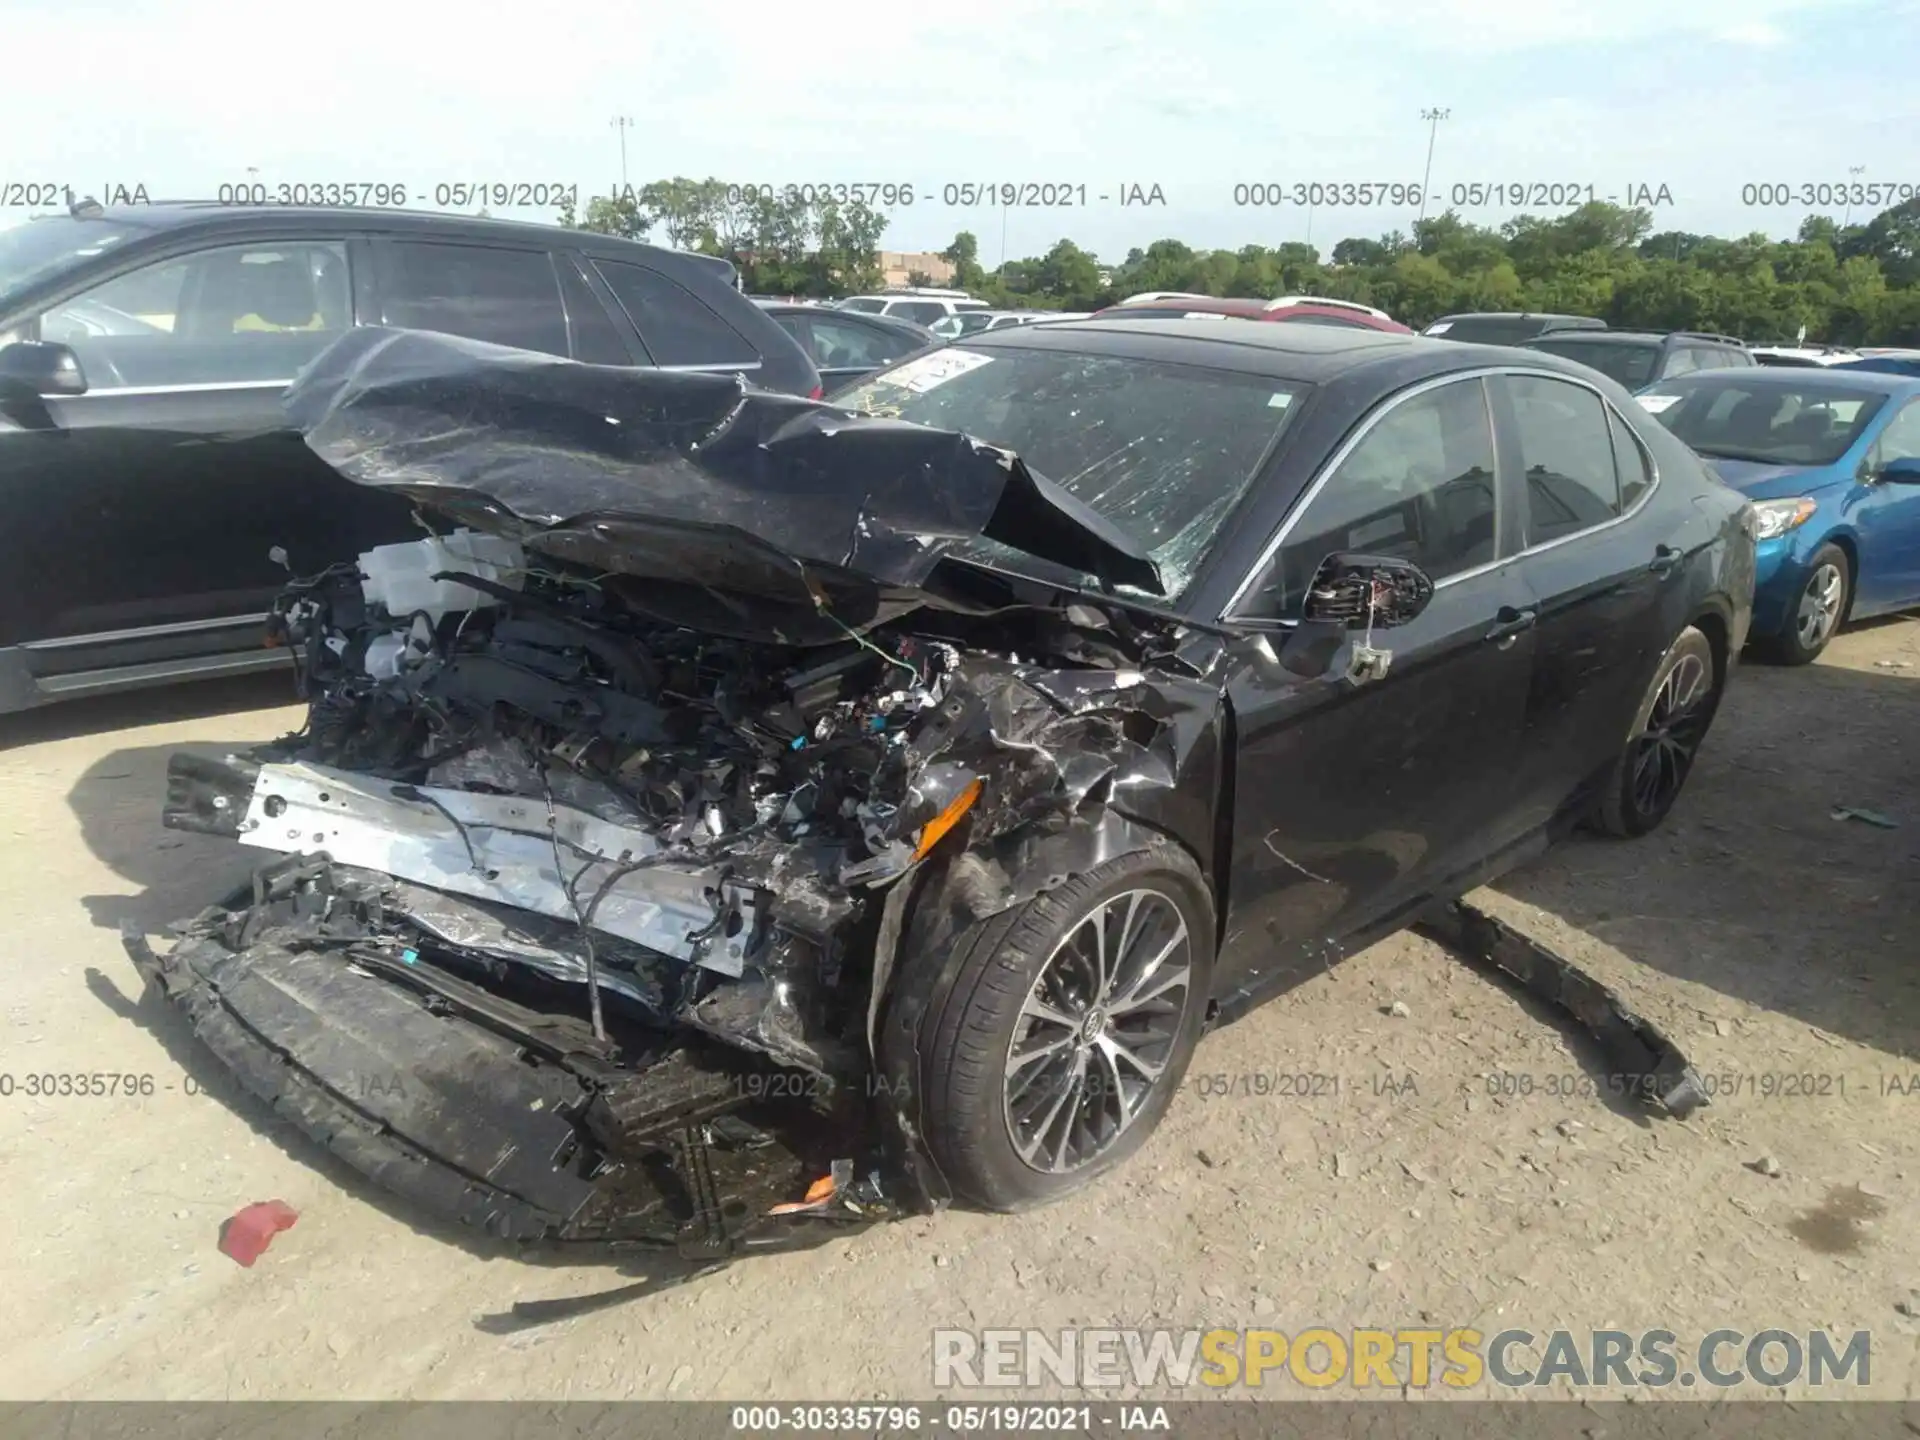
[749, 811]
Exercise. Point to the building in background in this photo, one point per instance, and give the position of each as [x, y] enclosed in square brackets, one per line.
[897, 265]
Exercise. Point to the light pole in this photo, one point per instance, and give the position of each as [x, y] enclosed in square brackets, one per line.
[1433, 115]
[622, 124]
[1848, 214]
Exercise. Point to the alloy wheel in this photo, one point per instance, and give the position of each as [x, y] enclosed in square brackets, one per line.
[1677, 723]
[1819, 610]
[1099, 1025]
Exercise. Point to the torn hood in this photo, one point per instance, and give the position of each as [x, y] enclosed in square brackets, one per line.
[683, 477]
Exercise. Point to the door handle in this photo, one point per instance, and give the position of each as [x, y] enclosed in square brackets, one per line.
[1665, 558]
[1509, 622]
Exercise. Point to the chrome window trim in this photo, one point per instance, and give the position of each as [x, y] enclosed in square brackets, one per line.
[194, 389]
[142, 632]
[1333, 462]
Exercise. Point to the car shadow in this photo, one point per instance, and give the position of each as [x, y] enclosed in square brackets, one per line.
[117, 801]
[1788, 875]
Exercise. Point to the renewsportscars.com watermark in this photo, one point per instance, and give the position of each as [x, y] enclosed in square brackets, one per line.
[1416, 1357]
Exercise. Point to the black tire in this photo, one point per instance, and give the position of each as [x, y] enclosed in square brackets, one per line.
[1671, 722]
[1813, 622]
[967, 1035]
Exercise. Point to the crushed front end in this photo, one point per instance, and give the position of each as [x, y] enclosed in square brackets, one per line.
[585, 882]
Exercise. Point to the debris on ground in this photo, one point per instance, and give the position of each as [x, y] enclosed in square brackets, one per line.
[1398, 1009]
[245, 1235]
[1868, 817]
[1640, 1059]
[1766, 1165]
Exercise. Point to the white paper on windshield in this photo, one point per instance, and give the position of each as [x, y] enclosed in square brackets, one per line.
[1654, 404]
[1279, 400]
[928, 371]
[1439, 329]
[1205, 315]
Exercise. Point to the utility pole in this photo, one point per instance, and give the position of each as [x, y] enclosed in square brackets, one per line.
[1855, 170]
[1433, 115]
[622, 124]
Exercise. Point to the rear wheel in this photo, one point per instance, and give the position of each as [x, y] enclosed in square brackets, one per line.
[1066, 1031]
[1658, 757]
[1817, 613]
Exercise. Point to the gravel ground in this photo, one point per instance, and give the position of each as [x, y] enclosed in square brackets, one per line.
[1461, 1176]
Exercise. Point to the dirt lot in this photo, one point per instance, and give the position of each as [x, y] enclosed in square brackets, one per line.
[1772, 940]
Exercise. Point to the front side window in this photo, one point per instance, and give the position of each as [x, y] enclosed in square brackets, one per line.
[1566, 451]
[676, 326]
[1901, 439]
[1165, 452]
[1418, 486]
[504, 297]
[239, 314]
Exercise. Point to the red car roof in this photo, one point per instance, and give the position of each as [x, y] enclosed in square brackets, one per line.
[1257, 310]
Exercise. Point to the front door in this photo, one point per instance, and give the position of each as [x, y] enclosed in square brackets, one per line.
[1352, 799]
[140, 517]
[1886, 519]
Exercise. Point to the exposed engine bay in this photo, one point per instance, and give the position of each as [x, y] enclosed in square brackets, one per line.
[650, 862]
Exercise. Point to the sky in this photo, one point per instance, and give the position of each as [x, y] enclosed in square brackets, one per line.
[1093, 97]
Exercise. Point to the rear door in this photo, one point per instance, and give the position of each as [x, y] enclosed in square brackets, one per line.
[1606, 573]
[1351, 800]
[139, 517]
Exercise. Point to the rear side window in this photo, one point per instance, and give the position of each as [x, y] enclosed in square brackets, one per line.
[922, 312]
[677, 327]
[1566, 449]
[1631, 462]
[865, 305]
[1324, 320]
[844, 345]
[505, 297]
[596, 339]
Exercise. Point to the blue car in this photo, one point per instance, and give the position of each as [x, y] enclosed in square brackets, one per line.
[1831, 461]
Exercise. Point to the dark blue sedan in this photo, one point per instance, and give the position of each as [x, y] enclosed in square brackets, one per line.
[1831, 460]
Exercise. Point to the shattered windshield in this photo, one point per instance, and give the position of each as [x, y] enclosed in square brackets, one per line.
[1163, 451]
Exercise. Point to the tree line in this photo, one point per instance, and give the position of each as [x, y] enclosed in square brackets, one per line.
[1845, 284]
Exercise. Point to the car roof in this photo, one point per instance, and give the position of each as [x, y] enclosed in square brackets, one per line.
[1519, 315]
[170, 215]
[1612, 337]
[1304, 354]
[1787, 377]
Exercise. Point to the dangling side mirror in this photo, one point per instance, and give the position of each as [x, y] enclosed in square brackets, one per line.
[1360, 592]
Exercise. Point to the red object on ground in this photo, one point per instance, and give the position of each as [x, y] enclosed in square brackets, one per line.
[245, 1234]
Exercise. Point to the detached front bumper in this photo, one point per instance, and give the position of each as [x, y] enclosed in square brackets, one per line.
[503, 1118]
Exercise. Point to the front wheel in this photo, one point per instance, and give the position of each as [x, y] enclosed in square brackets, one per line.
[1066, 1030]
[1667, 730]
[1818, 611]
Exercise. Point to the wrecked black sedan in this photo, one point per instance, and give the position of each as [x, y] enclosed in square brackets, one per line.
[740, 812]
